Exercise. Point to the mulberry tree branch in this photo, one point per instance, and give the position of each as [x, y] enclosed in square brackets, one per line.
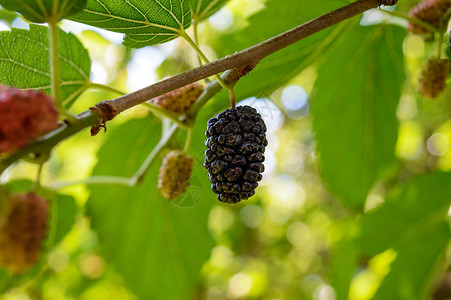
[240, 63]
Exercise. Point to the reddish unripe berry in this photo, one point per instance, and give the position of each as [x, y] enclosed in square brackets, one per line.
[24, 116]
[22, 230]
[430, 12]
[433, 77]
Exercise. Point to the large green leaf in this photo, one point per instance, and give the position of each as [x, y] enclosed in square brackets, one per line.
[354, 106]
[157, 246]
[202, 9]
[24, 61]
[415, 267]
[413, 211]
[412, 223]
[41, 11]
[279, 68]
[143, 22]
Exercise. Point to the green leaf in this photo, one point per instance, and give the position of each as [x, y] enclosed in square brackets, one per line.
[143, 22]
[354, 106]
[408, 213]
[411, 222]
[24, 61]
[202, 9]
[415, 266]
[8, 16]
[277, 69]
[42, 11]
[157, 246]
[345, 260]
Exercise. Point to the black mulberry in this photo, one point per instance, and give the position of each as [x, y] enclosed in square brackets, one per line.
[236, 141]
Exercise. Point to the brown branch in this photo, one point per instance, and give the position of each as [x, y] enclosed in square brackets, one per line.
[244, 61]
[248, 57]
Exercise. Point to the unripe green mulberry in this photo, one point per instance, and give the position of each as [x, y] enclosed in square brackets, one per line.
[236, 141]
[433, 77]
[22, 231]
[179, 101]
[175, 173]
[430, 12]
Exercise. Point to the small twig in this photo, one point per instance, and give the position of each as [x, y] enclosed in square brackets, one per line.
[202, 56]
[105, 87]
[126, 181]
[196, 39]
[412, 20]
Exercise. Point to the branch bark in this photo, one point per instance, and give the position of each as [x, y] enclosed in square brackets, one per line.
[241, 62]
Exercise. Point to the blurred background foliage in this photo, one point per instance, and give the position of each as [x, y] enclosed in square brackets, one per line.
[355, 197]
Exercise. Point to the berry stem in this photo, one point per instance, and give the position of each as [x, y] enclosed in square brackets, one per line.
[37, 182]
[189, 137]
[413, 20]
[139, 175]
[125, 181]
[187, 38]
[439, 46]
[55, 87]
[232, 97]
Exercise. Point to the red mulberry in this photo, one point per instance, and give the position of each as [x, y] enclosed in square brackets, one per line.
[24, 116]
[428, 11]
[433, 77]
[22, 231]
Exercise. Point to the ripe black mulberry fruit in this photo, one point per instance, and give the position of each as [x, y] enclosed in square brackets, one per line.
[179, 101]
[236, 141]
[22, 230]
[175, 173]
[428, 11]
[433, 77]
[24, 116]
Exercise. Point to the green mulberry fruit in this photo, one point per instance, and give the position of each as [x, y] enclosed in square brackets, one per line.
[175, 173]
[179, 101]
[433, 77]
